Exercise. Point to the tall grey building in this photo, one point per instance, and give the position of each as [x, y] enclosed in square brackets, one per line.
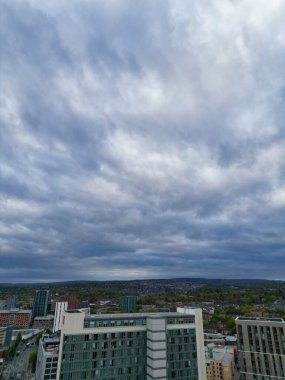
[137, 346]
[261, 348]
[47, 358]
[11, 303]
[40, 303]
[129, 304]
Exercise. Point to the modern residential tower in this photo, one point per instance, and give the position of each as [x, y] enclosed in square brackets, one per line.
[261, 348]
[133, 346]
[129, 304]
[40, 303]
[47, 358]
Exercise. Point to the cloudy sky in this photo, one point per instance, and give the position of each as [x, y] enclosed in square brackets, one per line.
[142, 139]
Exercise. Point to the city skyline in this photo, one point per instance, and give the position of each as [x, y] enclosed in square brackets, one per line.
[142, 140]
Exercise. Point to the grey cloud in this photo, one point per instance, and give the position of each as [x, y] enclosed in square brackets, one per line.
[142, 140]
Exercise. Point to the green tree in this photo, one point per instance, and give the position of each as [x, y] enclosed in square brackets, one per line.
[18, 339]
[33, 359]
[230, 322]
[38, 338]
[12, 351]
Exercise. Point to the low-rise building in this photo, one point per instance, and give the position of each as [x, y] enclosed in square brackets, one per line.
[44, 322]
[15, 318]
[220, 339]
[220, 363]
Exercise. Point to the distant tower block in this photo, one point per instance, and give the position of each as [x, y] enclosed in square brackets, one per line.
[40, 303]
[11, 303]
[129, 304]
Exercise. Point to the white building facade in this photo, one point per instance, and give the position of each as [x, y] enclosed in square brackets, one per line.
[60, 307]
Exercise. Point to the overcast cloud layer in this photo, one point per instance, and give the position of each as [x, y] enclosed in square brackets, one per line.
[142, 139]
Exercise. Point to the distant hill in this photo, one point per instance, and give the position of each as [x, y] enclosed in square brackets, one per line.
[197, 281]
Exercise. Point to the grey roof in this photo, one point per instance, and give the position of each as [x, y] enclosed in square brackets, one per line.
[137, 315]
[257, 319]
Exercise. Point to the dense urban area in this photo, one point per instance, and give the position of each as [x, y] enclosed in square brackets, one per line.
[31, 317]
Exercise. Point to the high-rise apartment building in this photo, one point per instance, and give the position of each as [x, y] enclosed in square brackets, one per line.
[40, 303]
[261, 348]
[47, 358]
[138, 346]
[10, 303]
[129, 304]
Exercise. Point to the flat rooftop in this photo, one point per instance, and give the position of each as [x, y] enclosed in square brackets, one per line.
[50, 344]
[133, 315]
[137, 315]
[257, 319]
[17, 311]
[46, 318]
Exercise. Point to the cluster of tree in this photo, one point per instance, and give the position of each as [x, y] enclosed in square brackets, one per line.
[15, 345]
[34, 353]
[33, 359]
[224, 293]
